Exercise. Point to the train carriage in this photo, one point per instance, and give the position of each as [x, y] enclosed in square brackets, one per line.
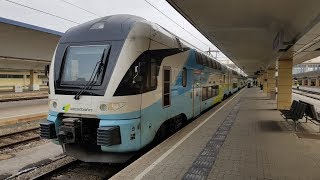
[119, 82]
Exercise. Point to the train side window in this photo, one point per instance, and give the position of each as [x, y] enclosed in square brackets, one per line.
[204, 60]
[204, 93]
[215, 90]
[224, 79]
[153, 74]
[145, 80]
[210, 63]
[184, 77]
[198, 58]
[214, 65]
[166, 86]
[210, 94]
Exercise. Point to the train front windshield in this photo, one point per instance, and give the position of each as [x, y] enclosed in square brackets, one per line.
[82, 62]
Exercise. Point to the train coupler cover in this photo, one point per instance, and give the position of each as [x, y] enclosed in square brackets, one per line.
[47, 130]
[109, 135]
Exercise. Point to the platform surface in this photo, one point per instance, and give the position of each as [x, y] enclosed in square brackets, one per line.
[27, 157]
[15, 112]
[242, 138]
[5, 95]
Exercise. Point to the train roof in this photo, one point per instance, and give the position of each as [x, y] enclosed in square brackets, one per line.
[115, 27]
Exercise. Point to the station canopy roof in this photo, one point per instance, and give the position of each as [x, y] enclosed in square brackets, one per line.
[253, 33]
[24, 46]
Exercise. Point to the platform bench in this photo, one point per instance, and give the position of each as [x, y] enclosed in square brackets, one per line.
[311, 114]
[296, 112]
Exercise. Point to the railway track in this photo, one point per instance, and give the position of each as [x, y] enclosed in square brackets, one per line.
[57, 170]
[19, 137]
[310, 92]
[66, 167]
[306, 93]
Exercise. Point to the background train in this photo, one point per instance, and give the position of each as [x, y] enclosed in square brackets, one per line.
[119, 82]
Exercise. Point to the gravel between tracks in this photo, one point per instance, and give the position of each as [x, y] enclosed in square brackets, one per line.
[77, 170]
[42, 167]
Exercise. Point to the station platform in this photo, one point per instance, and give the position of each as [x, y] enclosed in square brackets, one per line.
[244, 137]
[14, 96]
[14, 112]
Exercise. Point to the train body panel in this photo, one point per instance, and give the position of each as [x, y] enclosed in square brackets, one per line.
[146, 78]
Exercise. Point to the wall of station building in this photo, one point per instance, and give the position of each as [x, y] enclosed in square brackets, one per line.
[308, 81]
[302, 68]
[307, 74]
[9, 79]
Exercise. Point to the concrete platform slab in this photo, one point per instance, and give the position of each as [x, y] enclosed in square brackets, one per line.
[259, 145]
[29, 156]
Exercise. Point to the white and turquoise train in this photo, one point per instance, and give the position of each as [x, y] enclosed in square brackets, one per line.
[119, 82]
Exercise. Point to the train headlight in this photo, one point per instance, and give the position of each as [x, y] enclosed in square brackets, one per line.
[53, 104]
[103, 107]
[111, 106]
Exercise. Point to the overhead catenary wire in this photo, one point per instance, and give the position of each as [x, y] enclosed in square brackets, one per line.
[90, 12]
[19, 4]
[176, 23]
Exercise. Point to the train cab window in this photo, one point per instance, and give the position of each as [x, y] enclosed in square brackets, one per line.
[166, 86]
[78, 71]
[184, 77]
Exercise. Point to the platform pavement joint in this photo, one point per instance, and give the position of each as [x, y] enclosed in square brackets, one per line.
[203, 164]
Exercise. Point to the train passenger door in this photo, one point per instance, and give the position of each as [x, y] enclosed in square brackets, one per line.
[196, 87]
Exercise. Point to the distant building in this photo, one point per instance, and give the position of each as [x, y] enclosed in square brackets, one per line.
[310, 65]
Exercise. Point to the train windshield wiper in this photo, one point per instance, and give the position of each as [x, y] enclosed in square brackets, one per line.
[94, 76]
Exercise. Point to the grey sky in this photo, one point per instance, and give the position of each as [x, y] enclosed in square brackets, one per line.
[60, 15]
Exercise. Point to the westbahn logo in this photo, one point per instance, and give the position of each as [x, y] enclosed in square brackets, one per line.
[66, 107]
